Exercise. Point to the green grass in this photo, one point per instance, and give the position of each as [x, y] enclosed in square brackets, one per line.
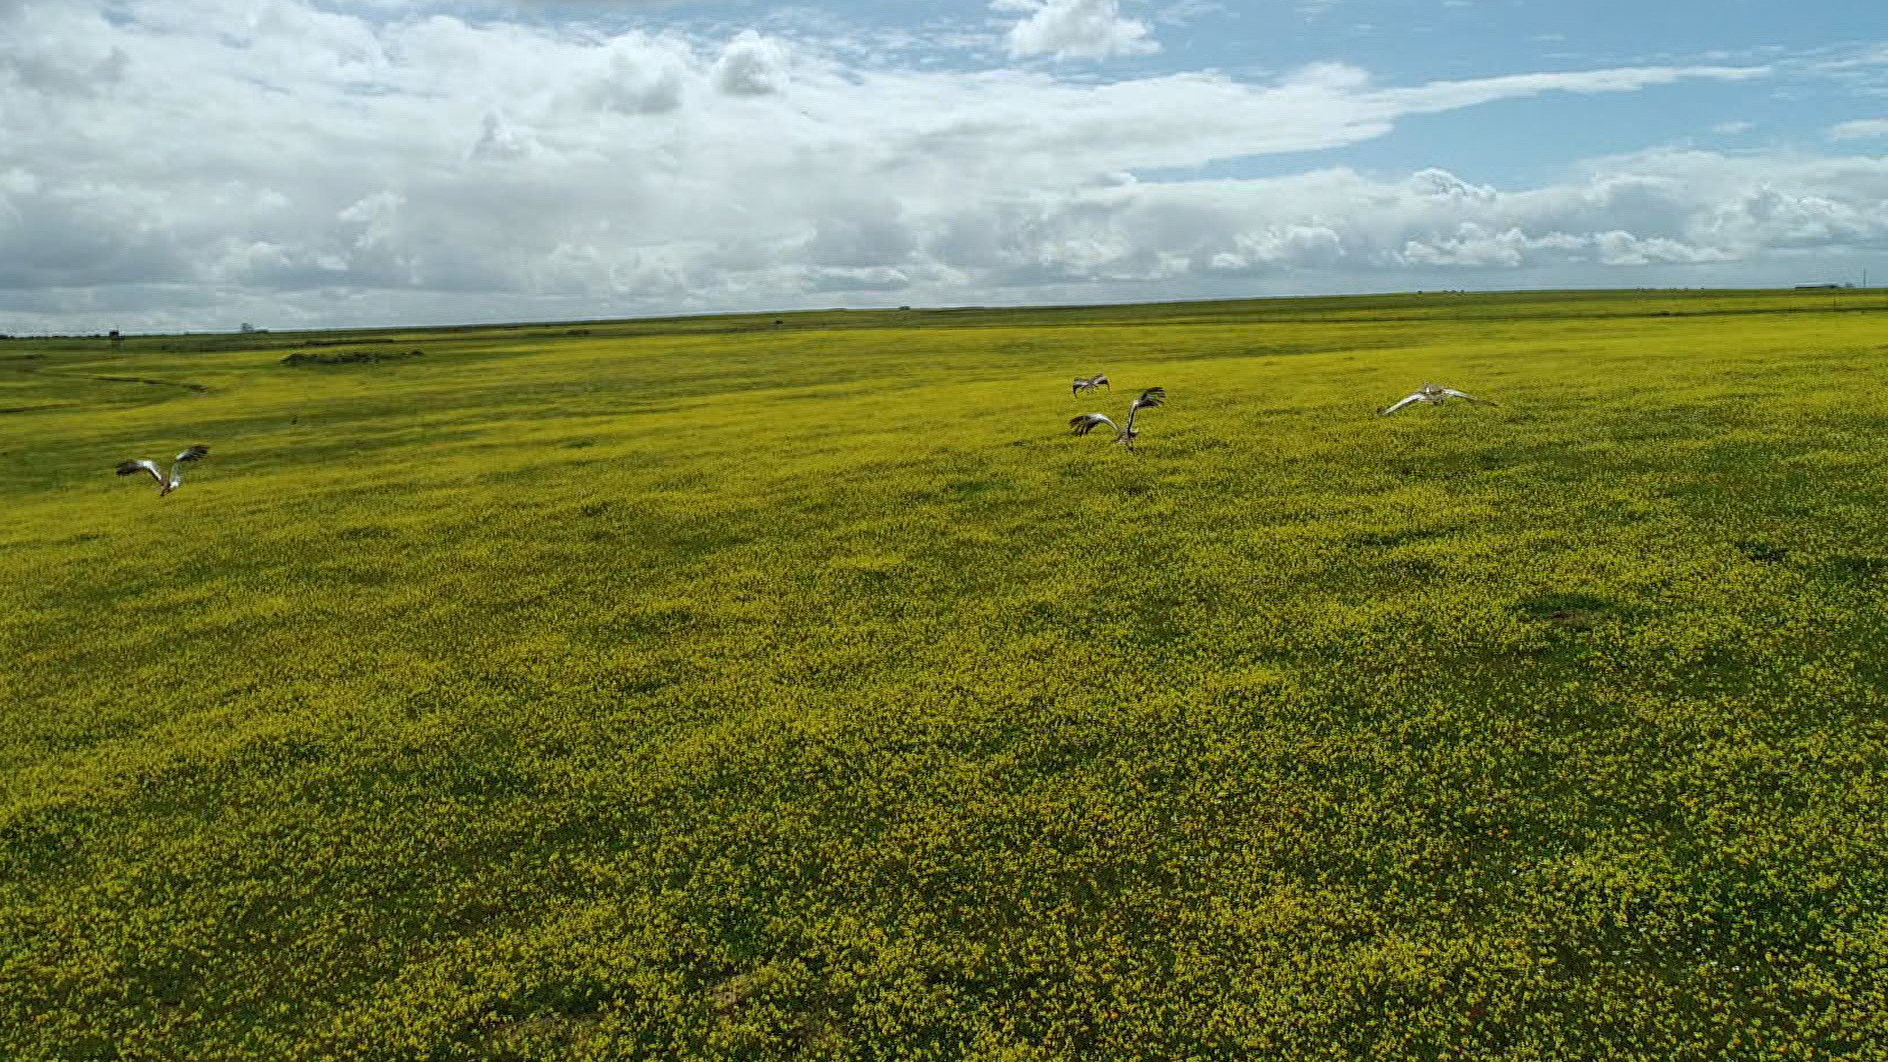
[711, 689]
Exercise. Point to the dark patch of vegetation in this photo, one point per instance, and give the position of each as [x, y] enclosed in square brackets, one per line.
[1578, 612]
[970, 488]
[1763, 552]
[352, 357]
[186, 385]
[1386, 539]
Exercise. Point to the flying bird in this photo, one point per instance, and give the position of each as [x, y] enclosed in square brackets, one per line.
[1087, 422]
[165, 484]
[1089, 383]
[1433, 393]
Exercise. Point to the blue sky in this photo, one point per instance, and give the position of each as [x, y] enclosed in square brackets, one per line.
[193, 164]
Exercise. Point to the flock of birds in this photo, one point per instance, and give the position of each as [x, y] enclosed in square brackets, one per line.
[1125, 434]
[1435, 394]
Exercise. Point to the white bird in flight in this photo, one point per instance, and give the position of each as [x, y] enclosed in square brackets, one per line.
[1087, 422]
[1089, 383]
[165, 484]
[1433, 393]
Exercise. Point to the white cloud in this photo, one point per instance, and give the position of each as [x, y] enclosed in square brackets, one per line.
[1674, 209]
[751, 65]
[193, 163]
[1860, 129]
[635, 76]
[1075, 29]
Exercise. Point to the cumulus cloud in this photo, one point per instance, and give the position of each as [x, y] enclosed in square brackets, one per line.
[191, 163]
[636, 76]
[1669, 208]
[751, 65]
[1075, 29]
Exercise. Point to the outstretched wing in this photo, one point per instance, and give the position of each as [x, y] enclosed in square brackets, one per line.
[1153, 396]
[177, 466]
[1082, 383]
[132, 468]
[1101, 380]
[1453, 393]
[1387, 410]
[1088, 422]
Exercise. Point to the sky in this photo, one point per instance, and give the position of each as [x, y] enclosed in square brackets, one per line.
[194, 165]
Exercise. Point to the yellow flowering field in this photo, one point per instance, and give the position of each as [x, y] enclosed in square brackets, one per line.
[719, 688]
